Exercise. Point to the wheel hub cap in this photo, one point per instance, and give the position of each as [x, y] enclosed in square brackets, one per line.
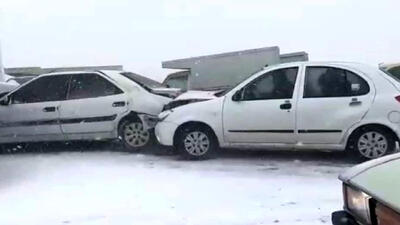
[135, 135]
[372, 145]
[196, 143]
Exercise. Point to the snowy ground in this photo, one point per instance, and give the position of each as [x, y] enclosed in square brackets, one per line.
[105, 187]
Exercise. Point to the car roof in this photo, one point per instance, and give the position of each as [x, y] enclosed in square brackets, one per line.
[80, 72]
[327, 63]
[361, 67]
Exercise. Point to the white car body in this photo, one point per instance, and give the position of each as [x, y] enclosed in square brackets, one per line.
[86, 118]
[311, 123]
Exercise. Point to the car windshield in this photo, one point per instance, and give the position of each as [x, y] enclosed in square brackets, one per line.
[395, 71]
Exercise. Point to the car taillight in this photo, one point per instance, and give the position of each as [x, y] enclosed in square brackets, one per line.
[397, 98]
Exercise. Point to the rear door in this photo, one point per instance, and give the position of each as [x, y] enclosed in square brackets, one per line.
[333, 99]
[32, 114]
[93, 103]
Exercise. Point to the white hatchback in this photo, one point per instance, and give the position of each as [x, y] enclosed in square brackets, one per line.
[302, 106]
[81, 106]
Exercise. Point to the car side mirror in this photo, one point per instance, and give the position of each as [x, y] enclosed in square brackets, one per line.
[6, 100]
[237, 96]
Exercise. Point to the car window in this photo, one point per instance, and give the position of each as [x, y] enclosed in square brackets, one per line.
[277, 84]
[90, 86]
[43, 89]
[395, 71]
[324, 82]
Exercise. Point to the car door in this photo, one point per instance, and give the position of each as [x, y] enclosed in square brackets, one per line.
[92, 106]
[265, 112]
[31, 114]
[333, 99]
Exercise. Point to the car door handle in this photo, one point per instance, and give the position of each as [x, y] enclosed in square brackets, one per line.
[118, 104]
[286, 106]
[355, 102]
[49, 109]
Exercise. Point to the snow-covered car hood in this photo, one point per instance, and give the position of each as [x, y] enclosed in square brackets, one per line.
[363, 167]
[197, 95]
[379, 178]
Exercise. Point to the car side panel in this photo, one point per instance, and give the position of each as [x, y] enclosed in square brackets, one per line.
[91, 115]
[325, 120]
[383, 107]
[29, 122]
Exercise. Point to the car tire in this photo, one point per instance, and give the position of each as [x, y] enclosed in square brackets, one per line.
[372, 143]
[133, 136]
[197, 143]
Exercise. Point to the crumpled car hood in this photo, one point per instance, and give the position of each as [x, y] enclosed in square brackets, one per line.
[190, 97]
[197, 95]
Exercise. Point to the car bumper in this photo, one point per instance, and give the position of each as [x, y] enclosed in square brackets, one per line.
[149, 121]
[165, 132]
[343, 218]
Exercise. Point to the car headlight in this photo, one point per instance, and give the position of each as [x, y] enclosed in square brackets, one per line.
[163, 115]
[357, 202]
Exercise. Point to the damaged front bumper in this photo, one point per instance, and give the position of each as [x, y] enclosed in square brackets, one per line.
[149, 121]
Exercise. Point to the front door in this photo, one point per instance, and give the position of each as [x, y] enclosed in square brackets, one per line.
[265, 112]
[92, 106]
[333, 100]
[32, 112]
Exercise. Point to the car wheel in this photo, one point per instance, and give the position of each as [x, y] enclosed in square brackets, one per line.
[372, 143]
[134, 136]
[197, 143]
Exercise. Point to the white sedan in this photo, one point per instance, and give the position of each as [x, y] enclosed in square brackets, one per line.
[302, 106]
[81, 106]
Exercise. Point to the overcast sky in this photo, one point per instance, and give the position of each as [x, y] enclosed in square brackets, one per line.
[141, 34]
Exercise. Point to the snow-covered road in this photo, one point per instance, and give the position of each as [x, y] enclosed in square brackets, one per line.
[104, 187]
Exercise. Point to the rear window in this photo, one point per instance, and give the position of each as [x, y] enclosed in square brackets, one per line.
[144, 82]
[393, 72]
